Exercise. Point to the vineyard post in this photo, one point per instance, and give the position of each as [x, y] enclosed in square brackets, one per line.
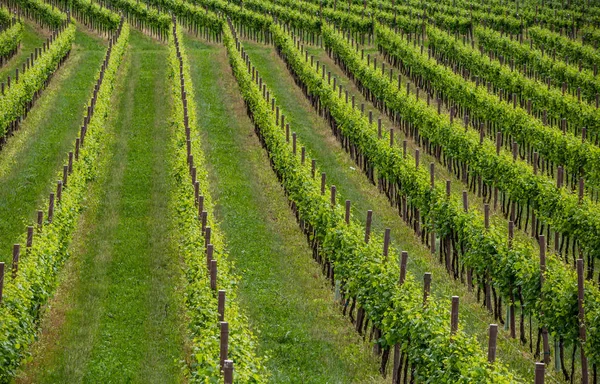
[213, 274]
[486, 215]
[582, 333]
[40, 219]
[29, 236]
[581, 189]
[302, 155]
[465, 200]
[228, 372]
[313, 167]
[207, 237]
[209, 255]
[333, 196]
[403, 261]
[404, 143]
[221, 305]
[15, 260]
[426, 286]
[368, 225]
[323, 183]
[386, 242]
[539, 373]
[293, 143]
[454, 316]
[417, 157]
[224, 342]
[347, 216]
[51, 208]
[492, 343]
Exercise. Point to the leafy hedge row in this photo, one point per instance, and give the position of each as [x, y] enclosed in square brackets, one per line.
[534, 59]
[25, 295]
[557, 105]
[565, 47]
[366, 275]
[5, 17]
[16, 99]
[190, 14]
[92, 14]
[578, 158]
[10, 39]
[142, 16]
[514, 269]
[200, 300]
[43, 13]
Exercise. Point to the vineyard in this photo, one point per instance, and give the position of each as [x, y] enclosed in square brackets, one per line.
[299, 191]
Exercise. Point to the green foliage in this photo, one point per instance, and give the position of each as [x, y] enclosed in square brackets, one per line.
[566, 48]
[200, 300]
[93, 11]
[151, 18]
[44, 13]
[10, 39]
[14, 103]
[544, 98]
[364, 272]
[25, 296]
[534, 59]
[190, 14]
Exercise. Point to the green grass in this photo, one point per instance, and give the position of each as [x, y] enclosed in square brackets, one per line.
[341, 171]
[119, 309]
[288, 302]
[30, 161]
[33, 37]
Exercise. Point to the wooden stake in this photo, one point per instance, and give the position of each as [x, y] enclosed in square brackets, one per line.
[539, 373]
[368, 225]
[386, 242]
[224, 342]
[213, 275]
[426, 286]
[228, 372]
[15, 260]
[403, 261]
[221, 305]
[454, 316]
[493, 339]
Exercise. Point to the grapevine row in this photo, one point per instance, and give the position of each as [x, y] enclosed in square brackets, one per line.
[19, 96]
[35, 271]
[11, 34]
[200, 241]
[41, 12]
[369, 277]
[484, 250]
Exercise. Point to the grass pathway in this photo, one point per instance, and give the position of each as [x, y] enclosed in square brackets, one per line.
[119, 311]
[342, 172]
[33, 37]
[287, 301]
[31, 159]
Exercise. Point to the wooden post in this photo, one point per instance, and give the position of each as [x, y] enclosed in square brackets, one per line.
[294, 143]
[448, 188]
[15, 260]
[323, 183]
[539, 373]
[209, 255]
[465, 199]
[347, 212]
[454, 316]
[403, 261]
[511, 232]
[29, 236]
[492, 343]
[207, 237]
[224, 342]
[581, 189]
[559, 177]
[582, 333]
[313, 167]
[498, 142]
[302, 155]
[386, 242]
[368, 225]
[333, 196]
[486, 215]
[432, 174]
[535, 163]
[228, 372]
[417, 158]
[391, 137]
[40, 220]
[51, 208]
[213, 274]
[426, 286]
[221, 305]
